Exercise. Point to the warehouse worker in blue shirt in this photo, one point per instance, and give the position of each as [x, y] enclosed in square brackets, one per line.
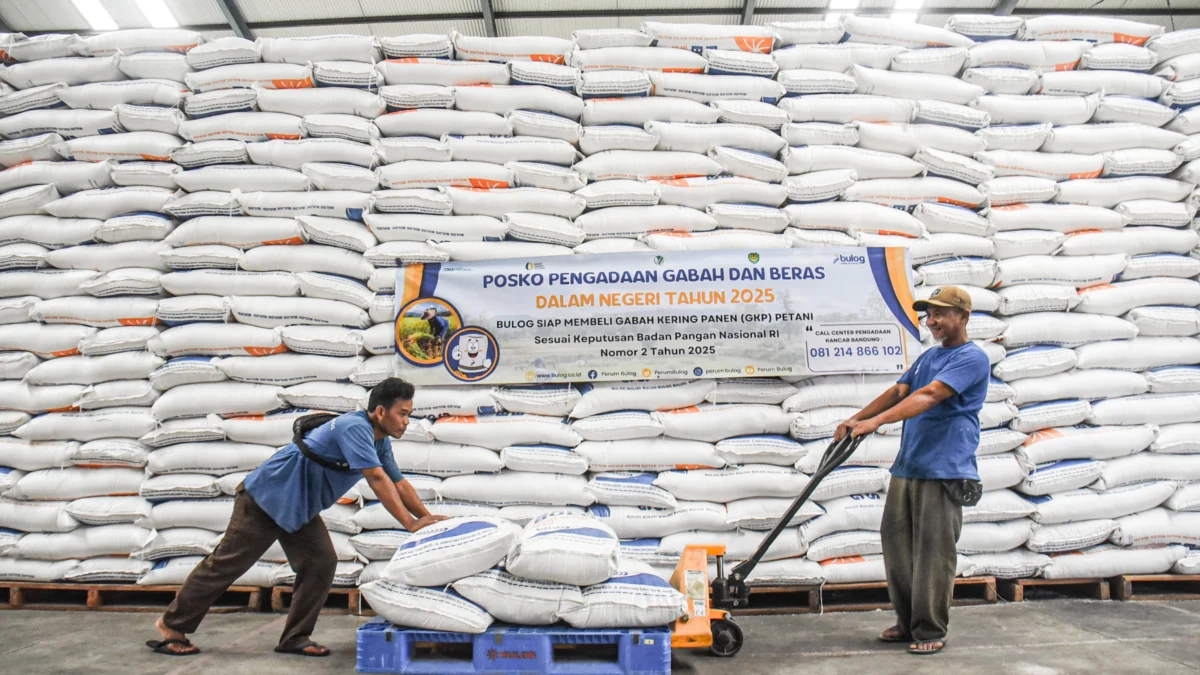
[934, 476]
[282, 501]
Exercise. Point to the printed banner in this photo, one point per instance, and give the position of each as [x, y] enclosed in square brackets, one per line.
[628, 316]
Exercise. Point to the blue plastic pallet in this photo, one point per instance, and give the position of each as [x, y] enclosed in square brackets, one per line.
[510, 650]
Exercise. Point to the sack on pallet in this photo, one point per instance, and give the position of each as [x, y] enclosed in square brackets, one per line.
[638, 58]
[1108, 82]
[998, 506]
[249, 76]
[904, 192]
[1087, 442]
[648, 454]
[845, 108]
[1108, 192]
[1165, 321]
[731, 483]
[519, 600]
[1148, 466]
[879, 30]
[1096, 29]
[509, 488]
[635, 597]
[1158, 527]
[649, 395]
[633, 522]
[1118, 298]
[939, 61]
[999, 471]
[838, 57]
[565, 548]
[1001, 79]
[425, 608]
[450, 550]
[36, 516]
[72, 483]
[1036, 109]
[979, 538]
[109, 510]
[1070, 536]
[1143, 353]
[1108, 560]
[1148, 408]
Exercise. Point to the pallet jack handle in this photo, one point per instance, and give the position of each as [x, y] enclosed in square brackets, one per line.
[732, 592]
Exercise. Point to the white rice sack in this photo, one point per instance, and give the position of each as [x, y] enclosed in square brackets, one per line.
[634, 598]
[1036, 109]
[1060, 476]
[1147, 409]
[425, 608]
[1139, 353]
[1088, 504]
[1147, 466]
[1008, 565]
[1085, 384]
[519, 600]
[998, 506]
[1070, 536]
[993, 537]
[649, 454]
[444, 552]
[1106, 560]
[1158, 527]
[1004, 470]
[509, 488]
[565, 548]
[725, 485]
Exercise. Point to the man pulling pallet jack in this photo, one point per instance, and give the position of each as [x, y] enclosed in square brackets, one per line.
[933, 477]
[282, 501]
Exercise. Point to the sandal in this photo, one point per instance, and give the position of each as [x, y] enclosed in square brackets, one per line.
[164, 647]
[299, 649]
[894, 634]
[925, 647]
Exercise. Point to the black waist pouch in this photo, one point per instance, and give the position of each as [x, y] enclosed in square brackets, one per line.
[963, 491]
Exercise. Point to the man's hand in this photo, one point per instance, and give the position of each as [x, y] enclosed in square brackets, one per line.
[865, 427]
[425, 522]
[844, 428]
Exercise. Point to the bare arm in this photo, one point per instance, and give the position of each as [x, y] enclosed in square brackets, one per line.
[392, 500]
[883, 402]
[918, 402]
[408, 496]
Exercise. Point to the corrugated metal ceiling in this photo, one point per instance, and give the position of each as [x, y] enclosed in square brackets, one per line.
[530, 17]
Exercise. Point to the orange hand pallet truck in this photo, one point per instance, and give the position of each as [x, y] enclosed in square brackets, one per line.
[708, 623]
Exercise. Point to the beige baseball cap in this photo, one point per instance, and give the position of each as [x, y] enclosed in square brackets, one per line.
[946, 296]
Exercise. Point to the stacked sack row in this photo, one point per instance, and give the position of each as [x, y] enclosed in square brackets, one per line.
[462, 573]
[231, 251]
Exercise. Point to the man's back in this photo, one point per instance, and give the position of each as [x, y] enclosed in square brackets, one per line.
[293, 489]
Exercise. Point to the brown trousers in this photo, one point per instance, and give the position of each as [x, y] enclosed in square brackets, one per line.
[920, 534]
[250, 533]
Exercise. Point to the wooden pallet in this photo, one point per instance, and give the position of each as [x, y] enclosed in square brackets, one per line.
[1156, 587]
[1013, 590]
[860, 597]
[340, 601]
[117, 597]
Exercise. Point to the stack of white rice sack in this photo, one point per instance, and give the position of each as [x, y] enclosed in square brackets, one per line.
[462, 573]
[199, 247]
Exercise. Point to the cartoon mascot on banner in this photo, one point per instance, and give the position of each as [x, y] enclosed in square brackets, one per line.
[471, 354]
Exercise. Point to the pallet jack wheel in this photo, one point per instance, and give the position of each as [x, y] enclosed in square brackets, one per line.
[726, 638]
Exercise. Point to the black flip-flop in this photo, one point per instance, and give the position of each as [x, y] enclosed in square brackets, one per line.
[163, 646]
[299, 649]
[901, 638]
[915, 647]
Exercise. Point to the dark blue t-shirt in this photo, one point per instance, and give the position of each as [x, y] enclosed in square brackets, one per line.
[439, 326]
[941, 442]
[293, 489]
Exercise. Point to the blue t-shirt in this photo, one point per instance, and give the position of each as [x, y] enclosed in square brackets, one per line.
[293, 489]
[439, 326]
[941, 442]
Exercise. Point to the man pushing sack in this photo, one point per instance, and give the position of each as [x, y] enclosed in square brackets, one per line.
[282, 501]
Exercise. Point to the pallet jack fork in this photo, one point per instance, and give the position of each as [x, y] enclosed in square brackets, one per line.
[708, 622]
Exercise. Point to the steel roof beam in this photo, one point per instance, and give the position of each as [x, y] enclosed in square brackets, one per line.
[638, 12]
[747, 12]
[237, 22]
[1005, 7]
[489, 18]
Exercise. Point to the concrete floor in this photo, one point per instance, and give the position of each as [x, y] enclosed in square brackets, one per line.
[1033, 638]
